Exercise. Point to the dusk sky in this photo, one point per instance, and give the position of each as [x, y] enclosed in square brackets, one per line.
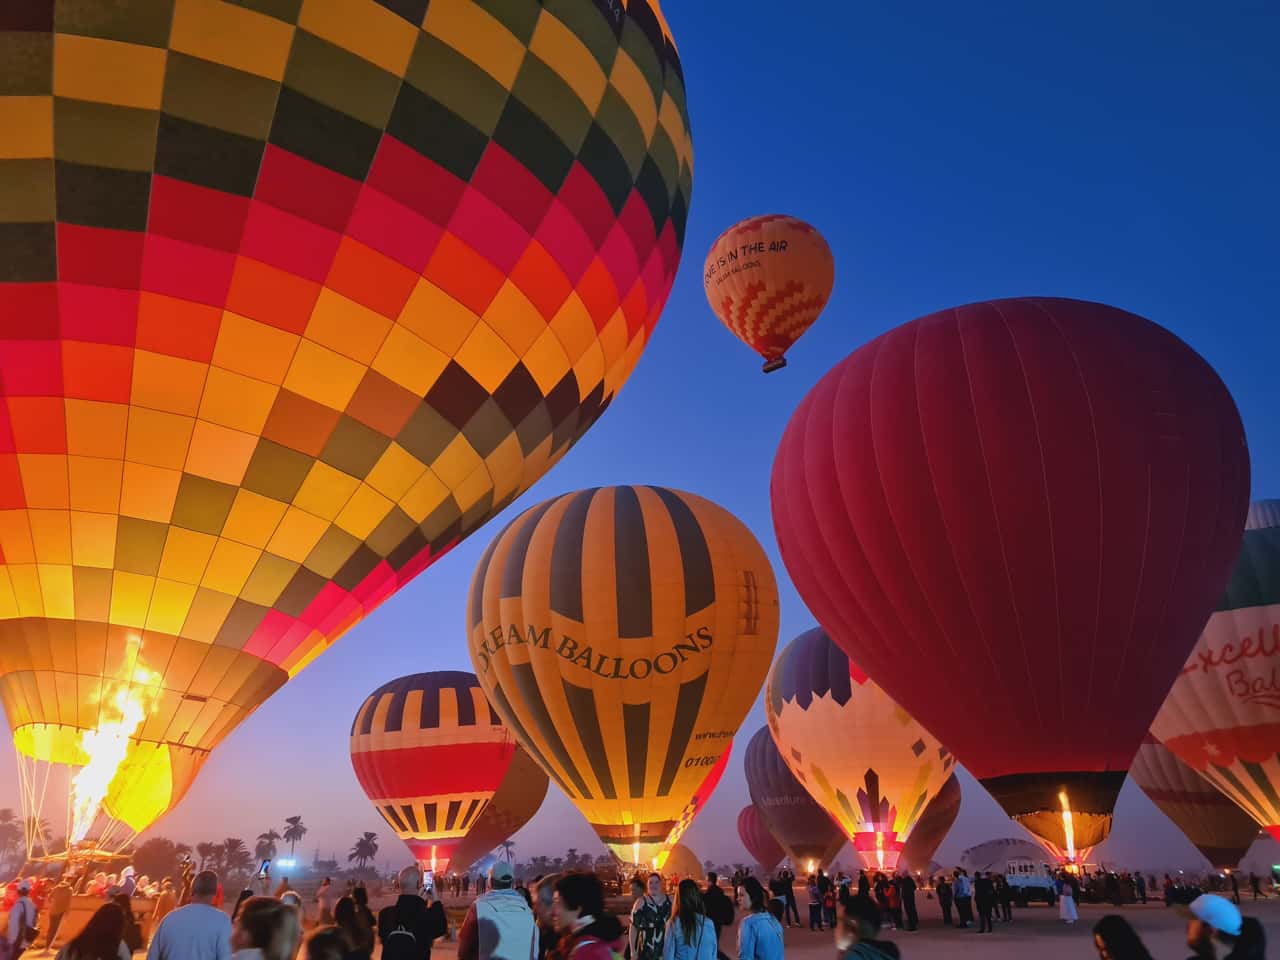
[1125, 153]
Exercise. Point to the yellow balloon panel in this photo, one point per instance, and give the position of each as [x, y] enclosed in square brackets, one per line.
[623, 633]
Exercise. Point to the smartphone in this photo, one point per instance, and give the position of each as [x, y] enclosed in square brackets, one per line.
[264, 869]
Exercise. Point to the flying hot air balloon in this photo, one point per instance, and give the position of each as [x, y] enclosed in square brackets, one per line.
[767, 279]
[1222, 715]
[623, 633]
[760, 843]
[1208, 818]
[932, 827]
[518, 797]
[310, 293]
[803, 828]
[430, 754]
[861, 756]
[1020, 523]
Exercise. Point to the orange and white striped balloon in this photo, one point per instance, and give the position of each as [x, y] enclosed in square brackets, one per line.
[767, 279]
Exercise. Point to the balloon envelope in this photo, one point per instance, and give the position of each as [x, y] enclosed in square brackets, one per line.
[860, 755]
[430, 753]
[1222, 716]
[805, 831]
[518, 798]
[1015, 516]
[1208, 818]
[760, 843]
[292, 301]
[932, 828]
[683, 863]
[767, 279]
[623, 633]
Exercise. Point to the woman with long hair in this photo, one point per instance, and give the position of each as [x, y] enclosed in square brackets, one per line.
[354, 927]
[1117, 940]
[690, 935]
[760, 933]
[132, 935]
[101, 939]
[266, 929]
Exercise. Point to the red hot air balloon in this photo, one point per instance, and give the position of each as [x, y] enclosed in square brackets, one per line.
[1016, 516]
[430, 752]
[517, 799]
[760, 843]
[807, 833]
[932, 828]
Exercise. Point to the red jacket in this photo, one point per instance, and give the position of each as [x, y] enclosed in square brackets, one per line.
[589, 944]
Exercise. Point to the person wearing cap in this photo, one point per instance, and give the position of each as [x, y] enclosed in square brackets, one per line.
[499, 925]
[1213, 920]
[22, 920]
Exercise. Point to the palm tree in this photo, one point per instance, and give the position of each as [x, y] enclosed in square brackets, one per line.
[365, 849]
[37, 831]
[236, 858]
[205, 851]
[507, 846]
[293, 832]
[265, 849]
[10, 833]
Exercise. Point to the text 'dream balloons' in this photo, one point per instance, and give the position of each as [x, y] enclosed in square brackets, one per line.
[1207, 817]
[767, 279]
[430, 752]
[514, 803]
[760, 843]
[623, 633]
[805, 830]
[932, 827]
[289, 313]
[1016, 516]
[1222, 716]
[861, 756]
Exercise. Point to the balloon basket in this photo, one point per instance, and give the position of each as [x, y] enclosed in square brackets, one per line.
[777, 363]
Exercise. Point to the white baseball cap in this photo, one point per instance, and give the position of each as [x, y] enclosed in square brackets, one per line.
[1218, 912]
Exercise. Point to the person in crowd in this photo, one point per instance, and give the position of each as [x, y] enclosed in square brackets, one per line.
[281, 887]
[59, 904]
[717, 904]
[962, 891]
[408, 928]
[325, 899]
[544, 900]
[266, 929]
[864, 884]
[166, 901]
[942, 887]
[356, 929]
[778, 892]
[1117, 940]
[198, 931]
[1255, 884]
[1111, 888]
[588, 931]
[129, 881]
[907, 893]
[325, 943]
[1214, 920]
[1140, 886]
[499, 924]
[22, 920]
[1067, 890]
[894, 897]
[649, 916]
[1004, 897]
[857, 930]
[829, 894]
[690, 934]
[1235, 889]
[101, 939]
[245, 894]
[789, 893]
[880, 888]
[132, 932]
[815, 903]
[360, 896]
[760, 932]
[984, 898]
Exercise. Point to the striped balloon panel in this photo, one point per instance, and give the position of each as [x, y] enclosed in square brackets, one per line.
[1211, 820]
[517, 799]
[623, 633]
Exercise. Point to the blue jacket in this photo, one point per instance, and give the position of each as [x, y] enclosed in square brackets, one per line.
[760, 938]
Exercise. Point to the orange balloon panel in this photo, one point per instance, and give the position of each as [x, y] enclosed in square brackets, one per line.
[293, 298]
[767, 279]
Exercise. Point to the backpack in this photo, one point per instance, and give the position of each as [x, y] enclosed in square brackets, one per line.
[400, 944]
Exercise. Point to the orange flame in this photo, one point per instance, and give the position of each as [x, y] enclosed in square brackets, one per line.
[880, 849]
[1067, 828]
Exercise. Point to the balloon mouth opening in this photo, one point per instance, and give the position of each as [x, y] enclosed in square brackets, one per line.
[775, 363]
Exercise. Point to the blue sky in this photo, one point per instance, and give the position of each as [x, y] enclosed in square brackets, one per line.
[1117, 152]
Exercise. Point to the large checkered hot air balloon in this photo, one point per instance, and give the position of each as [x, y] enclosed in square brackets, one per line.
[622, 633]
[293, 297]
[863, 758]
[1015, 516]
[430, 753]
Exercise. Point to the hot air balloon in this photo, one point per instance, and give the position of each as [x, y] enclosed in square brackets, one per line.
[430, 753]
[1208, 818]
[694, 806]
[767, 279]
[1220, 717]
[861, 756]
[760, 843]
[310, 292]
[808, 835]
[932, 828]
[682, 863]
[623, 633]
[518, 797]
[1015, 516]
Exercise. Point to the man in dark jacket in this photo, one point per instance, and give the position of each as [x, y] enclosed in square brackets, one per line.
[789, 888]
[856, 937]
[719, 908]
[943, 888]
[407, 928]
[907, 891]
[984, 896]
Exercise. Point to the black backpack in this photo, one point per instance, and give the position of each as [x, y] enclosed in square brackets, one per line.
[400, 943]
